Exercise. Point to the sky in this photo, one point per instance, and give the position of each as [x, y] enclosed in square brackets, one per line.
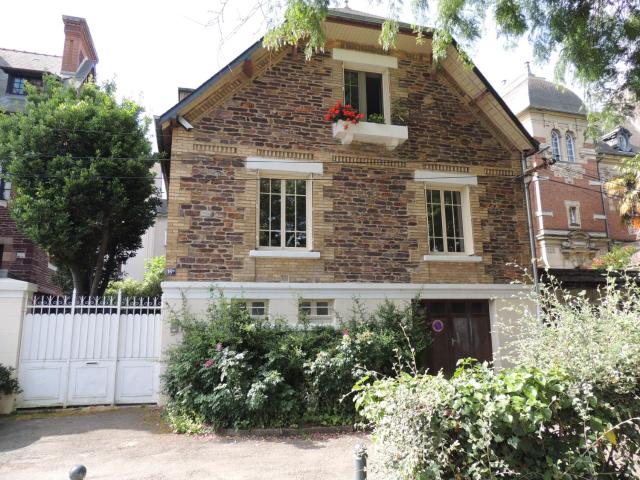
[150, 48]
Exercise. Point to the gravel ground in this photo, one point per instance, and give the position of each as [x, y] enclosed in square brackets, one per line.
[133, 443]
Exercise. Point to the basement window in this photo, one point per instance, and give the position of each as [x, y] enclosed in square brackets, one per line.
[317, 311]
[258, 308]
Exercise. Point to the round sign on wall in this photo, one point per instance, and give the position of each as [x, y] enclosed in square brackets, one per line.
[437, 326]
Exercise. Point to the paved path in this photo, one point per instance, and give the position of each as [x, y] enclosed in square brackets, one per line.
[133, 443]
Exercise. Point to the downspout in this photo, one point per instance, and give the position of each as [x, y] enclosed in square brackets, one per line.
[604, 208]
[532, 242]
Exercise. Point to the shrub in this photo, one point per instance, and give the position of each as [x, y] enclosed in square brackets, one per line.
[568, 408]
[618, 258]
[234, 371]
[8, 381]
[150, 287]
[519, 422]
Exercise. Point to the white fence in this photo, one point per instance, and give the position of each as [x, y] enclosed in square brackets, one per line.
[90, 350]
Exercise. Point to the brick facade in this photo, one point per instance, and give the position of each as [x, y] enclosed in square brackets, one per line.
[22, 259]
[369, 215]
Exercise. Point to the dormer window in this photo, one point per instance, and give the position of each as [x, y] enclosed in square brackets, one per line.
[363, 90]
[18, 82]
[623, 142]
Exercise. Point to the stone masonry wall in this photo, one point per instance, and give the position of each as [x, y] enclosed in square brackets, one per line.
[369, 215]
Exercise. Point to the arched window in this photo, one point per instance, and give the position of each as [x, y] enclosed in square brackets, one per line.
[555, 145]
[571, 150]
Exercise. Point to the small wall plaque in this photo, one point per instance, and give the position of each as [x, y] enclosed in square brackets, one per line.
[170, 272]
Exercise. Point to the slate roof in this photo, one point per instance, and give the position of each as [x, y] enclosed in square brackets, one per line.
[536, 92]
[37, 62]
[547, 95]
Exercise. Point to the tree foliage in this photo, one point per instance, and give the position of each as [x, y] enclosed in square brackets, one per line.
[597, 42]
[154, 273]
[79, 163]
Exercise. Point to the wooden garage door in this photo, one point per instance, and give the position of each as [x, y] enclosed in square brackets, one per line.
[459, 329]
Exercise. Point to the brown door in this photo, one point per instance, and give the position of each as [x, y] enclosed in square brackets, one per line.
[458, 329]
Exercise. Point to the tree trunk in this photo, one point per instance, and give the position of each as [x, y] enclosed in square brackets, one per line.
[102, 251]
[80, 280]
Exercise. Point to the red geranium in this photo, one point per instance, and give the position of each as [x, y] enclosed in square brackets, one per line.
[343, 112]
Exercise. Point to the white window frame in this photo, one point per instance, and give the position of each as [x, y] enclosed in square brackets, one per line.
[250, 303]
[570, 141]
[464, 202]
[435, 180]
[369, 63]
[570, 205]
[313, 316]
[309, 210]
[556, 147]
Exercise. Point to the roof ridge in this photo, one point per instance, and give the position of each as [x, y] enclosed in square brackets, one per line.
[32, 53]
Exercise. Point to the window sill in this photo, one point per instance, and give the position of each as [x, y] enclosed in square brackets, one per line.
[367, 132]
[452, 258]
[283, 254]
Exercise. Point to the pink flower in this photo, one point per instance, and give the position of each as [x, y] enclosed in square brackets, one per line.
[345, 333]
[218, 346]
[209, 363]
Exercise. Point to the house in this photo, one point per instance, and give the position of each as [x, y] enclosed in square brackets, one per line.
[20, 258]
[575, 220]
[271, 203]
[154, 240]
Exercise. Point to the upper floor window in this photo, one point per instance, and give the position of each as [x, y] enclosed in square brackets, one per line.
[363, 90]
[571, 150]
[573, 213]
[283, 213]
[555, 145]
[445, 222]
[17, 83]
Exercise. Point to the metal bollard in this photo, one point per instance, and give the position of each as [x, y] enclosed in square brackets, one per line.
[360, 456]
[78, 472]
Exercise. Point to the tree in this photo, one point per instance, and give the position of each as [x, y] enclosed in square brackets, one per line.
[79, 164]
[626, 189]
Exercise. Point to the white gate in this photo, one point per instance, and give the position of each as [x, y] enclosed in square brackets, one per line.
[90, 351]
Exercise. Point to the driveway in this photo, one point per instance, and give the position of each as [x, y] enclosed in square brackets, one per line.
[133, 443]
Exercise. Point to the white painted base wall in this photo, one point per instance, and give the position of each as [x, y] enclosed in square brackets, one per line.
[283, 299]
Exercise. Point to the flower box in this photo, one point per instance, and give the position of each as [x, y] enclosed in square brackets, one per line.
[379, 133]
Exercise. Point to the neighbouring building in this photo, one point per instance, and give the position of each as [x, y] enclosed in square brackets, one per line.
[575, 219]
[20, 258]
[271, 203]
[154, 240]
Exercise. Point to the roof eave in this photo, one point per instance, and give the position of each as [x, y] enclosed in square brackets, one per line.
[174, 111]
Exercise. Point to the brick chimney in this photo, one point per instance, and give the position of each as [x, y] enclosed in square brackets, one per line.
[78, 44]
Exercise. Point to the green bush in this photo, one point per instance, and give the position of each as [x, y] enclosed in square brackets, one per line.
[520, 422]
[234, 371]
[618, 258]
[150, 287]
[8, 381]
[569, 408]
